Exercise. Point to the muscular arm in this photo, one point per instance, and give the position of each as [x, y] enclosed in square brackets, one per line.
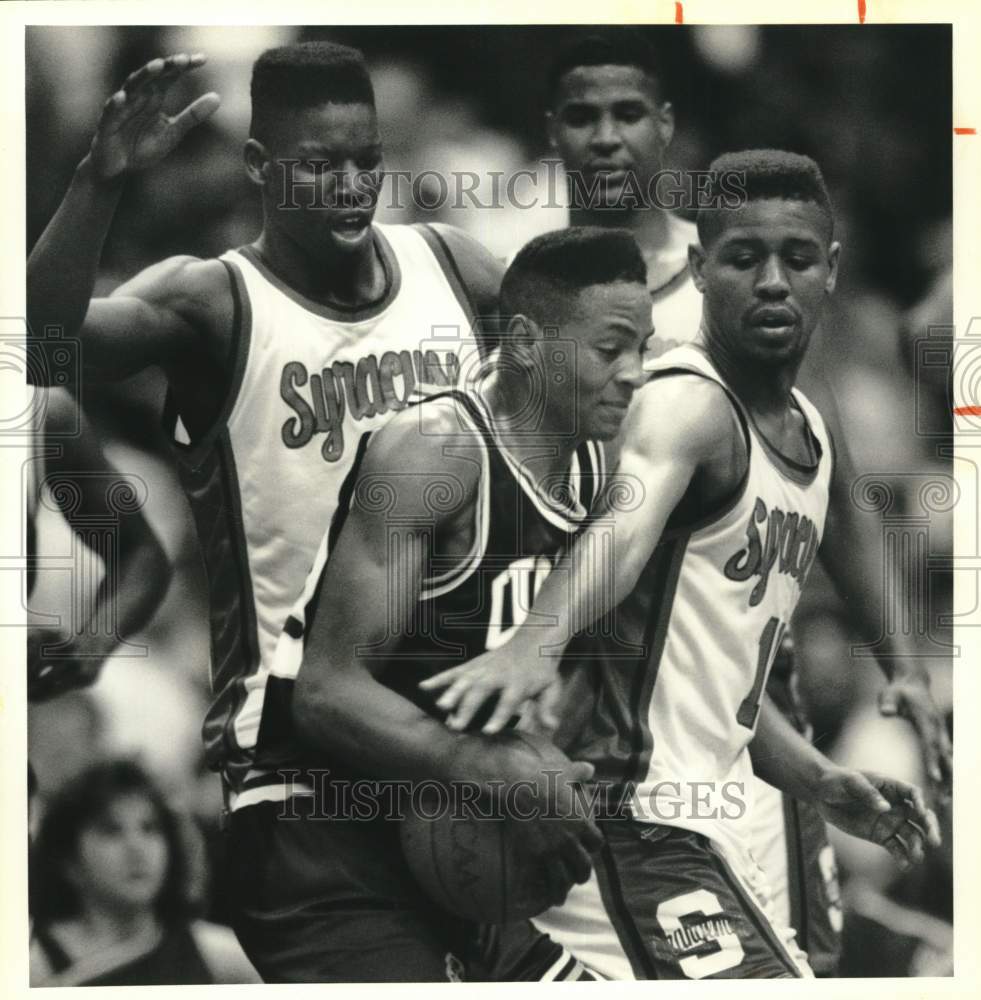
[158, 316]
[676, 427]
[338, 704]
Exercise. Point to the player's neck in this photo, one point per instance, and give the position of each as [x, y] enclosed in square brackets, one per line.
[765, 390]
[541, 450]
[102, 924]
[346, 279]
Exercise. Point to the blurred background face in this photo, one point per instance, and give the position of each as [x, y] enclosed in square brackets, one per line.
[607, 123]
[336, 193]
[592, 382]
[122, 858]
[765, 277]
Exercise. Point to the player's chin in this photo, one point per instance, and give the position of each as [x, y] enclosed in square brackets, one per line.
[604, 422]
[348, 239]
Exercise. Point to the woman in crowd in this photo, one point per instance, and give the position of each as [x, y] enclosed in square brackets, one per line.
[112, 891]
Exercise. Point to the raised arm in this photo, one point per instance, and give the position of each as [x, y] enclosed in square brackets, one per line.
[677, 428]
[124, 333]
[137, 572]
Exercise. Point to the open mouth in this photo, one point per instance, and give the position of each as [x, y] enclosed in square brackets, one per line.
[351, 228]
[775, 320]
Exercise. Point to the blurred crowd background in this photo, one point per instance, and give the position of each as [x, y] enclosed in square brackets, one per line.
[871, 104]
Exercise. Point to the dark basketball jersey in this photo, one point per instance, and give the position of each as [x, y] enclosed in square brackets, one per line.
[466, 606]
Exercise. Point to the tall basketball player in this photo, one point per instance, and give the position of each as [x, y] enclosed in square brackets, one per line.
[278, 354]
[736, 471]
[451, 518]
[611, 122]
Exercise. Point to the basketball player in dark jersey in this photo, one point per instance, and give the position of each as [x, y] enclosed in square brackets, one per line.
[450, 522]
[611, 122]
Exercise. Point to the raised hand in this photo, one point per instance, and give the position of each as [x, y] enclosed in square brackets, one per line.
[134, 132]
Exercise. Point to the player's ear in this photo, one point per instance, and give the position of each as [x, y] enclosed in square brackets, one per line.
[522, 333]
[257, 162]
[696, 264]
[665, 124]
[834, 252]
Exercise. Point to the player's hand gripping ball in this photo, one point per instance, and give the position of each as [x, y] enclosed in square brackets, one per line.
[483, 860]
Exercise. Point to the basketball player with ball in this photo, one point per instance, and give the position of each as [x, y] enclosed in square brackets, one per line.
[665, 696]
[450, 520]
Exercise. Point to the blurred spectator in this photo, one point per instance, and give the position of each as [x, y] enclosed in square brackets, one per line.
[114, 885]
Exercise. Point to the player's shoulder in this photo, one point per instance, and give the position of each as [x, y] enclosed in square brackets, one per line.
[687, 411]
[181, 280]
[479, 269]
[426, 438]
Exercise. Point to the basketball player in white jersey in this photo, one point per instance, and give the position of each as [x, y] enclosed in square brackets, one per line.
[611, 123]
[736, 474]
[278, 354]
[452, 517]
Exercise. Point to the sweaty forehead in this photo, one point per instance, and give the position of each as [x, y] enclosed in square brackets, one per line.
[605, 84]
[773, 220]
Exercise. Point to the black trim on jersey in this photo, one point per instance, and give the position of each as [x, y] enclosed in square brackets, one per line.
[336, 311]
[796, 870]
[618, 911]
[454, 278]
[752, 910]
[236, 362]
[677, 525]
[235, 526]
[663, 581]
[797, 472]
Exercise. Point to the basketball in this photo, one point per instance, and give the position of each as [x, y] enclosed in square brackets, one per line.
[471, 864]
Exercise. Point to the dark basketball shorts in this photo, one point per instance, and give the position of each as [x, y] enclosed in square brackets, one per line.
[667, 903]
[320, 900]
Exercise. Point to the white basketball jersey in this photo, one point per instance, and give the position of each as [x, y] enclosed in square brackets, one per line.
[308, 380]
[716, 616]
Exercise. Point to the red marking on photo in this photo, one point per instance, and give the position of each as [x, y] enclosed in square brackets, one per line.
[965, 131]
[861, 11]
[679, 13]
[967, 411]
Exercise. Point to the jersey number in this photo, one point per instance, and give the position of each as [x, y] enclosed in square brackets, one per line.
[512, 592]
[769, 644]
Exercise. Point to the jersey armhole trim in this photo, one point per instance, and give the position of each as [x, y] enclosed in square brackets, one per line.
[238, 355]
[726, 505]
[451, 272]
[437, 586]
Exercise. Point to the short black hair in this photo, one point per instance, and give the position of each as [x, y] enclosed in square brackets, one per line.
[83, 801]
[551, 269]
[605, 49]
[305, 75]
[764, 173]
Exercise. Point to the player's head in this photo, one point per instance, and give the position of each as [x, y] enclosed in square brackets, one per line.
[314, 146]
[765, 268]
[608, 118]
[578, 312]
